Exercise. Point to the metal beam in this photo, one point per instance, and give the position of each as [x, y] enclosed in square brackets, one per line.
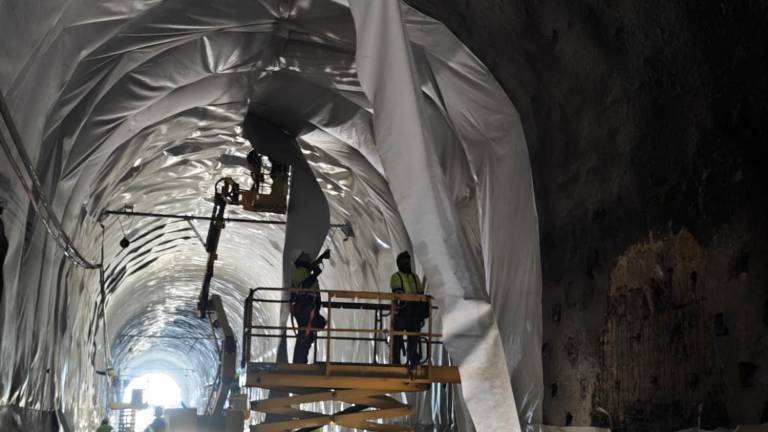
[197, 233]
[369, 406]
[138, 336]
[205, 218]
[279, 381]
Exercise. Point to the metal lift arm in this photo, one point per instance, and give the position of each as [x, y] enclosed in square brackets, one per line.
[211, 246]
[229, 194]
[227, 357]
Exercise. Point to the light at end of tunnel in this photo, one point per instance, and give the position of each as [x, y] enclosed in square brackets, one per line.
[160, 390]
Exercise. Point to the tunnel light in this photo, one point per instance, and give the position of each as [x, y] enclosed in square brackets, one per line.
[159, 390]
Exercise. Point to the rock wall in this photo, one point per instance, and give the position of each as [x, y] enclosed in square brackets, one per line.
[658, 358]
[645, 122]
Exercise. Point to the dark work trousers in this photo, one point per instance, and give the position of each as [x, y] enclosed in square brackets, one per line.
[158, 425]
[406, 323]
[303, 340]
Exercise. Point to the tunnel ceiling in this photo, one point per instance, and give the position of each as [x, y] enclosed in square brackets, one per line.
[147, 104]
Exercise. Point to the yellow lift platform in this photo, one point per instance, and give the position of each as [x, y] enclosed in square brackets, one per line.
[366, 387]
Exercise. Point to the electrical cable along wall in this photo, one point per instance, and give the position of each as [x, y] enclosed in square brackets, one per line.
[143, 103]
[3, 251]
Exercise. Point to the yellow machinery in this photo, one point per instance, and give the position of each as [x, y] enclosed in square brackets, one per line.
[264, 196]
[366, 387]
[267, 196]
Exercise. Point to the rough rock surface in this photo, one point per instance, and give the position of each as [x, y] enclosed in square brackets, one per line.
[646, 125]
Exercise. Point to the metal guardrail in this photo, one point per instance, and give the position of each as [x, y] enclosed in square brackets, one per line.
[382, 304]
[206, 218]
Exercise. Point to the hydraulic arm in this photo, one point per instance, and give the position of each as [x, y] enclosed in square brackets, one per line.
[229, 193]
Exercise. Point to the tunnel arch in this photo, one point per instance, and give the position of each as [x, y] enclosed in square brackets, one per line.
[113, 134]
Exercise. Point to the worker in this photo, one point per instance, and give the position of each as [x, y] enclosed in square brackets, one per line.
[305, 306]
[104, 427]
[158, 424]
[279, 176]
[408, 315]
[257, 199]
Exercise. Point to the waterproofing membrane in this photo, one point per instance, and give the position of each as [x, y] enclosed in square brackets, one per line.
[740, 428]
[148, 103]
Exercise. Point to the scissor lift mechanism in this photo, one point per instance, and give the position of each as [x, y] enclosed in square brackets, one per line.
[365, 386]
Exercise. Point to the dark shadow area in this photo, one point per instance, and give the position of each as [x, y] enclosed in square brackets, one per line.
[15, 419]
[644, 122]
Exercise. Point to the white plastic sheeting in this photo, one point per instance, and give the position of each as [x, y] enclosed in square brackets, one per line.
[573, 429]
[740, 428]
[143, 102]
[455, 221]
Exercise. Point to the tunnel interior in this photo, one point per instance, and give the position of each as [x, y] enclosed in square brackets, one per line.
[629, 293]
[142, 107]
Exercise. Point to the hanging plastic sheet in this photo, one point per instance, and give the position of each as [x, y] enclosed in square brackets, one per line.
[458, 249]
[144, 102]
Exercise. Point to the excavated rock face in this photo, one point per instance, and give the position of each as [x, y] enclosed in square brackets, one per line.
[657, 319]
[646, 128]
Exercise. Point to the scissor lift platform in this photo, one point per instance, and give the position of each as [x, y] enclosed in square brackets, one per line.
[348, 376]
[365, 387]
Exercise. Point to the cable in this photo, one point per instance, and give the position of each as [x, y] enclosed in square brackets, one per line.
[28, 178]
[29, 181]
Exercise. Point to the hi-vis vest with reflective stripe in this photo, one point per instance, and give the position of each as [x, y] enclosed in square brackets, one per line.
[299, 275]
[408, 282]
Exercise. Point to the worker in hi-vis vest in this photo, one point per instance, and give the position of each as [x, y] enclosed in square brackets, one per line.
[305, 305]
[407, 317]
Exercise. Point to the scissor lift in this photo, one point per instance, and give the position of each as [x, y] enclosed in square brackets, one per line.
[366, 387]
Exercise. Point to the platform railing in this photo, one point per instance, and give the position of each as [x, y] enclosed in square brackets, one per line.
[382, 304]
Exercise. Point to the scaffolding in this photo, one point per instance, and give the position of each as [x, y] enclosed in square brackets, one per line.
[126, 420]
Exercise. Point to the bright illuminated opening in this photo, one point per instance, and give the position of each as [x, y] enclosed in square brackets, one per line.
[159, 390]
